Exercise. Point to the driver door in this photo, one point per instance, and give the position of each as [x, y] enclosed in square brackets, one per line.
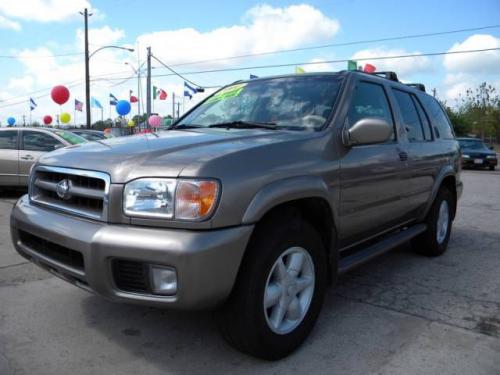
[371, 176]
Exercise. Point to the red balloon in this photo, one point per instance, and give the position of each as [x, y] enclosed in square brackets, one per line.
[47, 120]
[60, 94]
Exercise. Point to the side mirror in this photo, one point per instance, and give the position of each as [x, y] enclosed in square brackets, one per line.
[367, 131]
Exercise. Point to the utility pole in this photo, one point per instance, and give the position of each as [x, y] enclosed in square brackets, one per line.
[178, 107]
[24, 120]
[138, 85]
[434, 92]
[173, 106]
[87, 73]
[148, 87]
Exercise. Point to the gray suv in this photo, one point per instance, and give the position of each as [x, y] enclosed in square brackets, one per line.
[252, 203]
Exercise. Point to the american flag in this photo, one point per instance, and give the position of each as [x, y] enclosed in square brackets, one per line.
[78, 105]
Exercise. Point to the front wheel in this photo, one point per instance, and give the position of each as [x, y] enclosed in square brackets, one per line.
[279, 291]
[434, 241]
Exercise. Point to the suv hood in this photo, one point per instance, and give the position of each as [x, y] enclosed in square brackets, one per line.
[165, 154]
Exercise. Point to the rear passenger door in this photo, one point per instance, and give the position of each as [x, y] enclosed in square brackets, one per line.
[9, 154]
[33, 145]
[371, 175]
[418, 142]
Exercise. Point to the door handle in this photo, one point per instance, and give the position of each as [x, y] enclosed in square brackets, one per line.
[27, 157]
[403, 156]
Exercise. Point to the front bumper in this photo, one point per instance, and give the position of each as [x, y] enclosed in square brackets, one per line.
[485, 163]
[206, 262]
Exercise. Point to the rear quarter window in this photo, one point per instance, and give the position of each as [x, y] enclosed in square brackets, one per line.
[439, 120]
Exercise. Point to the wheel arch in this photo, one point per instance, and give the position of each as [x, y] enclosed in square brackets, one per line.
[306, 197]
[446, 178]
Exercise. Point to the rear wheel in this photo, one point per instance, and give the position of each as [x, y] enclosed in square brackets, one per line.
[434, 241]
[279, 291]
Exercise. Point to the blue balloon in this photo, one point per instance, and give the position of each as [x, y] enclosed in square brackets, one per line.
[122, 107]
[11, 121]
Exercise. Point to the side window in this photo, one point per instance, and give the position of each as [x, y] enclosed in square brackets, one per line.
[423, 118]
[410, 116]
[369, 100]
[8, 140]
[38, 141]
[438, 118]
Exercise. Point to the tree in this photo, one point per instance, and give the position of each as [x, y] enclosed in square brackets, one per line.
[479, 108]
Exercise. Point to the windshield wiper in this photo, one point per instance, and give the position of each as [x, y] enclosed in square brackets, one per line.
[185, 126]
[240, 124]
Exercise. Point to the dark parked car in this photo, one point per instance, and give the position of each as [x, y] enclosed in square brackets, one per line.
[91, 135]
[475, 154]
[253, 202]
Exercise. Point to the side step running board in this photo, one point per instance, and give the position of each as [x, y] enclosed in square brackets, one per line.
[372, 251]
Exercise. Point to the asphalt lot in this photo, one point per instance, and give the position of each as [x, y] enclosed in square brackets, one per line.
[400, 314]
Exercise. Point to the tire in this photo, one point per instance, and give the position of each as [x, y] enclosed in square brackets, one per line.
[434, 241]
[492, 167]
[244, 321]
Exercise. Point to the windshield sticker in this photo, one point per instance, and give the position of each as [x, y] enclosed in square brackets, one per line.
[228, 92]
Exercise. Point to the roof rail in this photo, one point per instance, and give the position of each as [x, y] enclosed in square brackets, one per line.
[418, 86]
[388, 75]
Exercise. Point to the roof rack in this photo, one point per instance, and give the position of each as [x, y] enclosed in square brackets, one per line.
[388, 75]
[418, 86]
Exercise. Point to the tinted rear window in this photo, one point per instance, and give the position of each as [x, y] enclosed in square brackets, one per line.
[439, 120]
[411, 119]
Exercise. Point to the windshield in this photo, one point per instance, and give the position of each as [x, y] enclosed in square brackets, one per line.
[472, 144]
[90, 136]
[70, 137]
[296, 103]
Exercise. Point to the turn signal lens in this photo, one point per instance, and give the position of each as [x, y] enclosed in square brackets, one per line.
[195, 199]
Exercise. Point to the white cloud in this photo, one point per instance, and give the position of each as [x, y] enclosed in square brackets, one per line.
[264, 29]
[481, 62]
[319, 66]
[42, 10]
[456, 84]
[99, 37]
[402, 66]
[6, 23]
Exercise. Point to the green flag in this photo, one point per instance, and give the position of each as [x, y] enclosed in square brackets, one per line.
[352, 65]
[155, 90]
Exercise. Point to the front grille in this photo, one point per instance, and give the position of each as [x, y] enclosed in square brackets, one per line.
[52, 250]
[131, 276]
[79, 192]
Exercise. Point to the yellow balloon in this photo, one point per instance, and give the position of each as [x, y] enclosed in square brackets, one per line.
[65, 117]
[131, 123]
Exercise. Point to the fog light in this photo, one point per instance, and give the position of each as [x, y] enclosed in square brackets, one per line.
[163, 280]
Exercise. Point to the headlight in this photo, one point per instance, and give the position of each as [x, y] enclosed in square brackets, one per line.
[465, 156]
[151, 197]
[491, 157]
[170, 198]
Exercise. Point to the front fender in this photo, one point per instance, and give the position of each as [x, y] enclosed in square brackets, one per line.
[283, 191]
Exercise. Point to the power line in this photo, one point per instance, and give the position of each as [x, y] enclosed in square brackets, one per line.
[40, 56]
[387, 39]
[322, 62]
[173, 71]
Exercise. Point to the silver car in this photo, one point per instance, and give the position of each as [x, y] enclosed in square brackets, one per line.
[20, 148]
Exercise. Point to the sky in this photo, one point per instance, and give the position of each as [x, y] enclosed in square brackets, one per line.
[196, 36]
